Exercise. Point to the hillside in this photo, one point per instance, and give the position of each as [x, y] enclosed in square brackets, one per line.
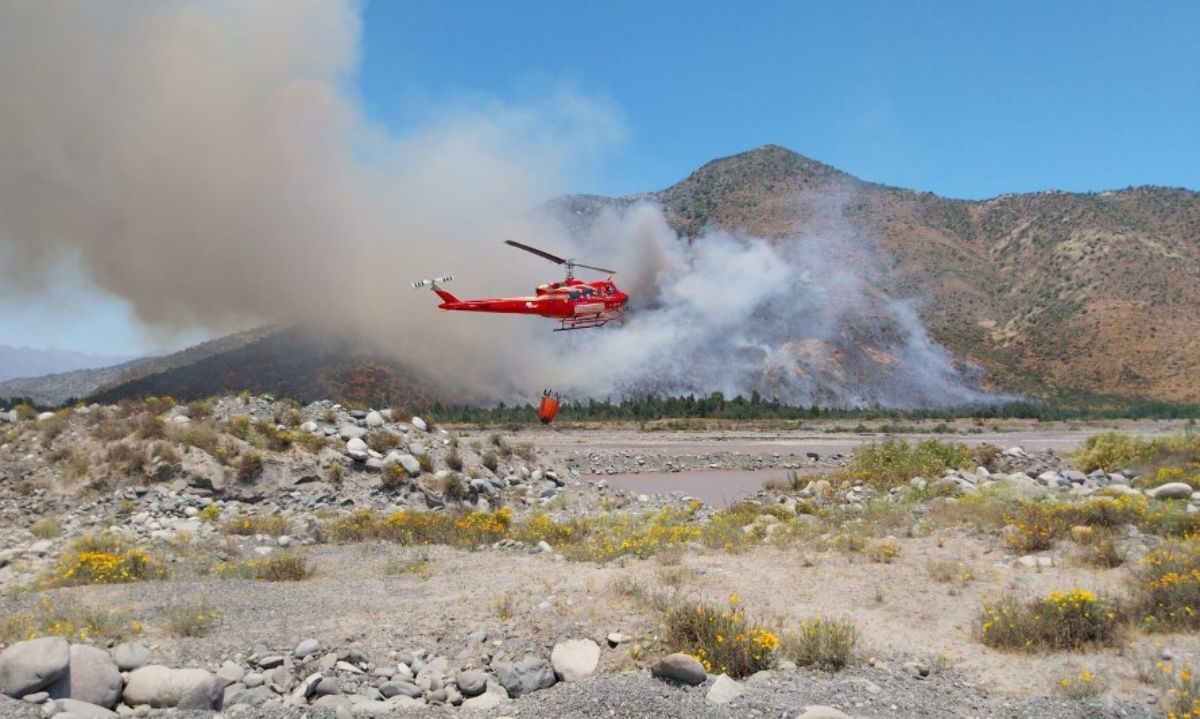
[1050, 292]
[302, 363]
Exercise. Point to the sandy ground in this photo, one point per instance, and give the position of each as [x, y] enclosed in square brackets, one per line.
[900, 612]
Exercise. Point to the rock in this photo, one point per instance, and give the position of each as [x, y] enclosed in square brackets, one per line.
[130, 656]
[92, 677]
[202, 695]
[231, 672]
[493, 697]
[357, 449]
[161, 686]
[617, 638]
[1033, 562]
[351, 431]
[528, 675]
[819, 711]
[26, 667]
[724, 690]
[401, 688]
[310, 427]
[1171, 490]
[410, 464]
[42, 417]
[306, 648]
[333, 702]
[471, 683]
[76, 709]
[270, 661]
[916, 669]
[374, 419]
[575, 659]
[253, 679]
[679, 667]
[419, 424]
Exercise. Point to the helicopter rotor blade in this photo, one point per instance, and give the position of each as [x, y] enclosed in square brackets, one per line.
[546, 255]
[598, 269]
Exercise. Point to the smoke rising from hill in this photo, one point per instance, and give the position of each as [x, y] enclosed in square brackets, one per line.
[207, 161]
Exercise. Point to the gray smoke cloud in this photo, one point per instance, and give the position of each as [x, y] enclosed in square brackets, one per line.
[800, 319]
[208, 162]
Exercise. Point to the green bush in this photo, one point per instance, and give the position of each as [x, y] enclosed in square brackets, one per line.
[894, 462]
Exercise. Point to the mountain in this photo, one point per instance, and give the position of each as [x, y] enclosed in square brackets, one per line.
[1050, 292]
[30, 362]
[57, 388]
[300, 362]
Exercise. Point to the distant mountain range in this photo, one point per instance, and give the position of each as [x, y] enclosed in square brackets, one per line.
[30, 362]
[1050, 293]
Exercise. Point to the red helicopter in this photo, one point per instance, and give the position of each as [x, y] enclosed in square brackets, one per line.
[576, 304]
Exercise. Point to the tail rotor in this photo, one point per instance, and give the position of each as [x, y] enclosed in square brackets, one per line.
[432, 284]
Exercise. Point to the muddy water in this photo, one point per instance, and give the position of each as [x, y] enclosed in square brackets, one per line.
[716, 487]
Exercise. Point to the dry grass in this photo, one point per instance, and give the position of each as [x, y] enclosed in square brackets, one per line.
[46, 528]
[272, 525]
[70, 619]
[190, 619]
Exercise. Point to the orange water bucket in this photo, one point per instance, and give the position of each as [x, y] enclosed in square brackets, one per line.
[548, 408]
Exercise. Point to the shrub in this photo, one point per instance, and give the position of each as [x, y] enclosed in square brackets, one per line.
[394, 476]
[894, 462]
[201, 435]
[360, 525]
[822, 642]
[454, 488]
[126, 459]
[490, 461]
[46, 528]
[1031, 529]
[426, 463]
[721, 638]
[273, 525]
[382, 441]
[72, 620]
[417, 563]
[884, 551]
[1084, 685]
[104, 559]
[248, 466]
[190, 619]
[336, 470]
[946, 571]
[282, 567]
[278, 567]
[1182, 691]
[1111, 451]
[211, 513]
[454, 460]
[1166, 587]
[1062, 620]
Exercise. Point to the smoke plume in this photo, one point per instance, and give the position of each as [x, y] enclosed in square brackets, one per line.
[209, 163]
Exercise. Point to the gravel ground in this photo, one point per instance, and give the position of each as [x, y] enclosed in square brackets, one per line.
[859, 693]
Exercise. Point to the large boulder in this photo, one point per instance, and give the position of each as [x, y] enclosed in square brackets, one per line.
[681, 668]
[92, 677]
[575, 659]
[78, 710]
[523, 677]
[26, 667]
[1171, 490]
[160, 686]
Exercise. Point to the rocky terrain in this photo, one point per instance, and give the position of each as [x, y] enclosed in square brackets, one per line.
[266, 558]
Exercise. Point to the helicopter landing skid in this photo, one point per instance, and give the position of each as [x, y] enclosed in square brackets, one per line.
[589, 321]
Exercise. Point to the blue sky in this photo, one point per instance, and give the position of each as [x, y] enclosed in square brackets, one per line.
[966, 99]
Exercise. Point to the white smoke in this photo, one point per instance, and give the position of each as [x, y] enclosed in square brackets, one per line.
[797, 319]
